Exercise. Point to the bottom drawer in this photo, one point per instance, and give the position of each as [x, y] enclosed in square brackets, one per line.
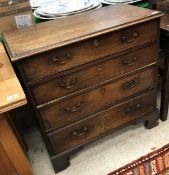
[87, 129]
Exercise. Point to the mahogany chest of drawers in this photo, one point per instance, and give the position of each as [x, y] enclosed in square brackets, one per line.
[89, 74]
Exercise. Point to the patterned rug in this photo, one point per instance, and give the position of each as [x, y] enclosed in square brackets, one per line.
[154, 163]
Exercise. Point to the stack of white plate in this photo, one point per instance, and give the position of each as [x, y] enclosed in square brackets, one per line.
[108, 2]
[60, 8]
[38, 3]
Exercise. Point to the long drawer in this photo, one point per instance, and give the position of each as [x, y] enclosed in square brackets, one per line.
[69, 111]
[70, 56]
[102, 122]
[93, 75]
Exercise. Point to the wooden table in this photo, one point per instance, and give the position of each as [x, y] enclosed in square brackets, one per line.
[12, 158]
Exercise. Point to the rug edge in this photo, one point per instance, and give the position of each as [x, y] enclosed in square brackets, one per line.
[153, 153]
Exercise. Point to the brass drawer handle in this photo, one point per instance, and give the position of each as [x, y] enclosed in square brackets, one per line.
[96, 42]
[80, 132]
[128, 62]
[127, 39]
[75, 108]
[64, 60]
[68, 85]
[133, 108]
[131, 84]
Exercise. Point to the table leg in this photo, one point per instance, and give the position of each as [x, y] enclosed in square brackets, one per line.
[165, 89]
[13, 160]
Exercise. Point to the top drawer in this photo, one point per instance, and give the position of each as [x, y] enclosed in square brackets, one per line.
[83, 52]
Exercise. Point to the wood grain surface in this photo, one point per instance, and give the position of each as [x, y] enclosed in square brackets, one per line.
[59, 60]
[93, 75]
[49, 35]
[11, 93]
[87, 129]
[69, 111]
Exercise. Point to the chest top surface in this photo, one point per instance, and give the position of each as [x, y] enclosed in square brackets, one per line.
[57, 33]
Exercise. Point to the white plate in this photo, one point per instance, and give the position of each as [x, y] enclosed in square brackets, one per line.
[107, 3]
[66, 6]
[134, 1]
[95, 5]
[37, 3]
[44, 17]
[116, 1]
[126, 2]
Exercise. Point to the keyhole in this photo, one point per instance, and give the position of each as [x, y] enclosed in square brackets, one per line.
[96, 43]
[99, 67]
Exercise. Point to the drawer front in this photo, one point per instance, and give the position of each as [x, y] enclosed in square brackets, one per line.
[85, 130]
[93, 75]
[80, 53]
[76, 134]
[128, 111]
[69, 111]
